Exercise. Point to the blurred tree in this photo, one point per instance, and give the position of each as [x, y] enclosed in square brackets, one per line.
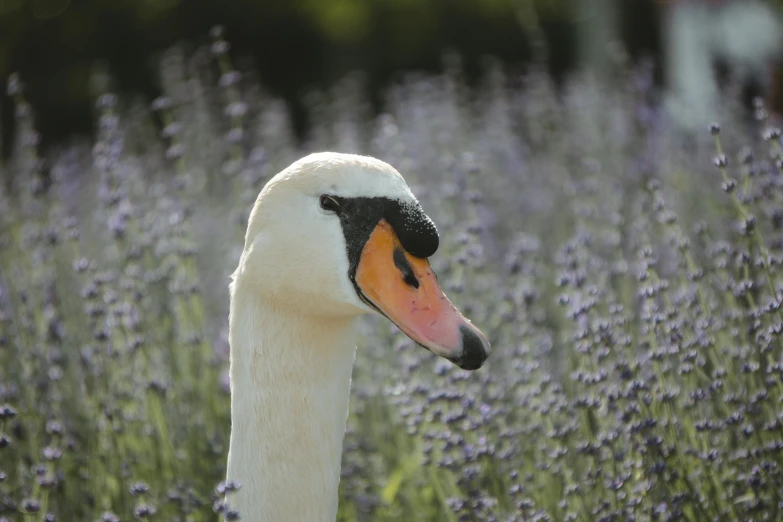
[55, 43]
[295, 44]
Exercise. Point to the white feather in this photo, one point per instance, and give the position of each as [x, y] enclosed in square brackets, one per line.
[293, 339]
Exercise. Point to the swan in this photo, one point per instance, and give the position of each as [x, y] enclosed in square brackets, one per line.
[331, 237]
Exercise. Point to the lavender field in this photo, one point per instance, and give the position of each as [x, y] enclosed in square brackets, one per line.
[626, 270]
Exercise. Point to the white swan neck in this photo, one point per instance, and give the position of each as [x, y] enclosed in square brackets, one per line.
[290, 379]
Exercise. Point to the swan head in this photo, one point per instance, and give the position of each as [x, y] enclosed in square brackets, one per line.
[340, 235]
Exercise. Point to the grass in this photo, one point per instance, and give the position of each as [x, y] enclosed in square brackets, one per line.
[626, 272]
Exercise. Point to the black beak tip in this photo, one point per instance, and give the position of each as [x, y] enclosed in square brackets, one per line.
[474, 350]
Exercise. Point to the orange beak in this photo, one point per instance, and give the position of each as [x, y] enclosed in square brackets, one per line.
[404, 289]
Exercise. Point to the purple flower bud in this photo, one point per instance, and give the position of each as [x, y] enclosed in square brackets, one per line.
[7, 412]
[230, 78]
[51, 453]
[31, 505]
[144, 511]
[171, 130]
[771, 134]
[106, 101]
[15, 85]
[220, 47]
[217, 32]
[161, 104]
[139, 488]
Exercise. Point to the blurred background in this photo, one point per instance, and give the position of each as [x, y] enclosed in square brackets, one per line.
[696, 45]
[623, 255]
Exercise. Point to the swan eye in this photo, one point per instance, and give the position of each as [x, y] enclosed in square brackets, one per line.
[329, 203]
